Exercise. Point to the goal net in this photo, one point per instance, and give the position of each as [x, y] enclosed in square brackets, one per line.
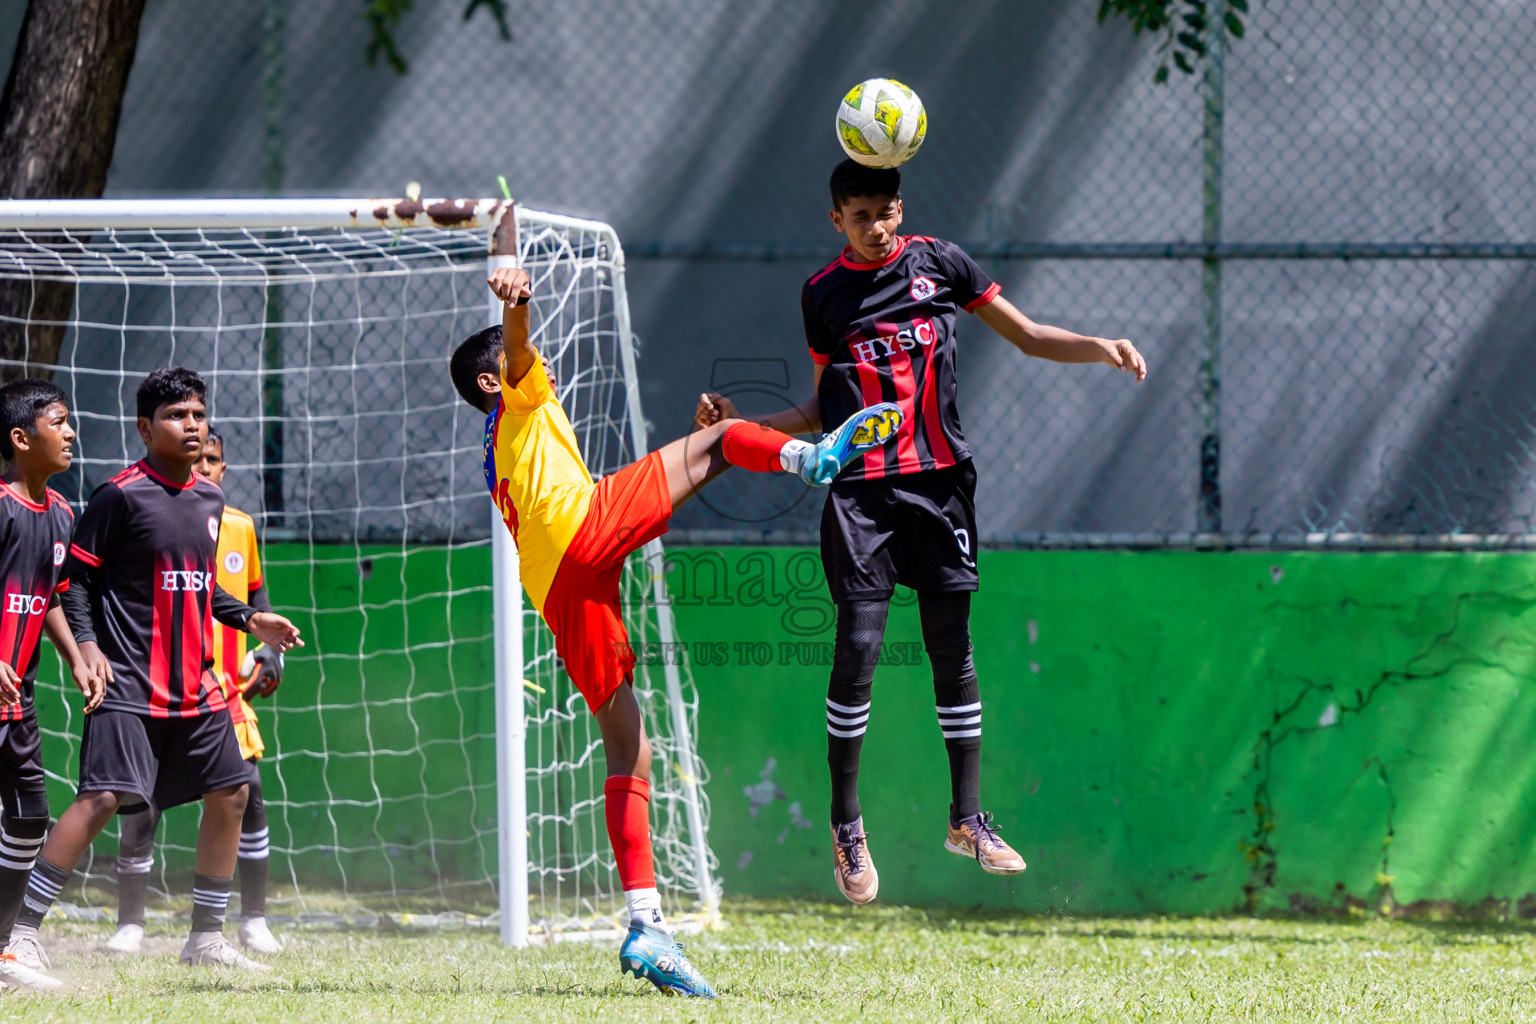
[323, 329]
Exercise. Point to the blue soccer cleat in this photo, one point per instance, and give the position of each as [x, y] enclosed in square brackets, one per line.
[865, 429]
[657, 957]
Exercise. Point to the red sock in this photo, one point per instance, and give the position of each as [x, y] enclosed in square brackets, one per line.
[628, 809]
[753, 447]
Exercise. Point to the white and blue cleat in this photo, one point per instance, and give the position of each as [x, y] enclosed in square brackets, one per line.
[657, 957]
[865, 429]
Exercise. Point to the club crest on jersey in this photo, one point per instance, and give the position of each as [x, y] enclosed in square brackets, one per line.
[234, 561]
[923, 289]
[58, 553]
[213, 528]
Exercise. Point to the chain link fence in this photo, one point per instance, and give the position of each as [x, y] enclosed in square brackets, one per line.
[1324, 244]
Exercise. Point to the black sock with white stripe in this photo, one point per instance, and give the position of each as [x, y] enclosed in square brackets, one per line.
[860, 628]
[254, 856]
[210, 899]
[43, 887]
[947, 637]
[133, 888]
[20, 840]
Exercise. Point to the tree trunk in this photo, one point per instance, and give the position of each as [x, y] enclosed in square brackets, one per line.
[58, 125]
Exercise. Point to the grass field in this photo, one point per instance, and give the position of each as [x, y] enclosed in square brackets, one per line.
[819, 962]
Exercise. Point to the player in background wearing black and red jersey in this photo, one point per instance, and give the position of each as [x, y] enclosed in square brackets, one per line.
[239, 563]
[880, 320]
[35, 522]
[141, 603]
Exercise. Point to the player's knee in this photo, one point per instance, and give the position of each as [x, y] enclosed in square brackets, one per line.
[99, 804]
[230, 801]
[946, 622]
[856, 647]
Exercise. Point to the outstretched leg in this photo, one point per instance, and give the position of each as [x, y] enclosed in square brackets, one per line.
[695, 460]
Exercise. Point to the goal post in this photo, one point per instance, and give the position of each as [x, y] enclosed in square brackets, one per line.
[366, 297]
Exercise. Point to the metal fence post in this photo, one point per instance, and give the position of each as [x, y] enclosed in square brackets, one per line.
[1213, 89]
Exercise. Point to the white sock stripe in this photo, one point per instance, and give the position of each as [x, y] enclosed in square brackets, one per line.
[9, 840]
[949, 723]
[838, 719]
[958, 709]
[849, 709]
[23, 863]
[961, 733]
[260, 833]
[135, 866]
[211, 894]
[261, 854]
[845, 734]
[44, 886]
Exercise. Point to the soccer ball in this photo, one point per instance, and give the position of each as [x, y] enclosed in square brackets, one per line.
[881, 123]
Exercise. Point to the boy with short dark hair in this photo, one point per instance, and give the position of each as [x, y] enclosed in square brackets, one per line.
[880, 320]
[142, 602]
[239, 562]
[35, 522]
[573, 536]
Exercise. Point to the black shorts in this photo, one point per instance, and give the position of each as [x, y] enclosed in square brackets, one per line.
[178, 793]
[917, 530]
[170, 761]
[23, 786]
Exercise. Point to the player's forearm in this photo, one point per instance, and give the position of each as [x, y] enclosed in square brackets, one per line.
[519, 351]
[60, 635]
[76, 602]
[801, 419]
[1040, 340]
[230, 610]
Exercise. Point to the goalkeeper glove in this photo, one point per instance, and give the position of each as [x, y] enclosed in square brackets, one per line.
[266, 671]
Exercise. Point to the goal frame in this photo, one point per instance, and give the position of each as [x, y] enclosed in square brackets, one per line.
[496, 218]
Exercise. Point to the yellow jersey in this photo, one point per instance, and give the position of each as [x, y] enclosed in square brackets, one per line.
[239, 575]
[537, 476]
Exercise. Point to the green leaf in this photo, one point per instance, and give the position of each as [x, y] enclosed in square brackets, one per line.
[1161, 75]
[1195, 21]
[1183, 63]
[1238, 5]
[1234, 25]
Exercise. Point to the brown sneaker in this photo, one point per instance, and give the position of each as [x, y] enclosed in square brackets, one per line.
[855, 872]
[977, 837]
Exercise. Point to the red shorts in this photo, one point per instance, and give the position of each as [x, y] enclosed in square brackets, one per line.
[629, 508]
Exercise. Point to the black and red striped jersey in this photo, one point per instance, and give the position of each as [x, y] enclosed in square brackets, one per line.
[33, 539]
[152, 545]
[886, 333]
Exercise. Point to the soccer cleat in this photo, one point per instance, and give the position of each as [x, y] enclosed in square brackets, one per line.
[25, 964]
[852, 866]
[213, 950]
[657, 957]
[977, 837]
[257, 937]
[865, 429]
[127, 940]
[14, 972]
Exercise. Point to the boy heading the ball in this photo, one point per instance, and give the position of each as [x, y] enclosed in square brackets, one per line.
[142, 602]
[239, 573]
[573, 536]
[35, 523]
[881, 320]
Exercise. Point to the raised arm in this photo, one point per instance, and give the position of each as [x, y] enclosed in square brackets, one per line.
[512, 286]
[1056, 344]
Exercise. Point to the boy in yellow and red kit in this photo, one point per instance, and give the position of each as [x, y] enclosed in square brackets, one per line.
[572, 538]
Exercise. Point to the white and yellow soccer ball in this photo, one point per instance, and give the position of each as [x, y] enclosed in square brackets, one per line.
[881, 123]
